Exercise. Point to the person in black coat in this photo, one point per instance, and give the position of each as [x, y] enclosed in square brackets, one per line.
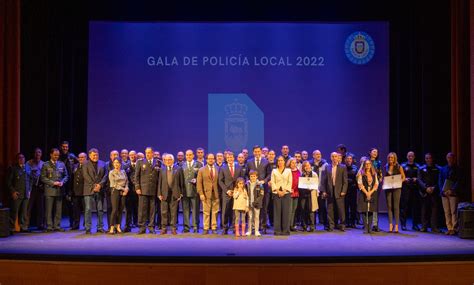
[351, 197]
[78, 190]
[95, 178]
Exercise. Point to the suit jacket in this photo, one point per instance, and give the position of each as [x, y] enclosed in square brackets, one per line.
[176, 185]
[20, 180]
[282, 180]
[226, 180]
[341, 181]
[262, 170]
[77, 180]
[51, 173]
[91, 177]
[189, 174]
[146, 176]
[207, 186]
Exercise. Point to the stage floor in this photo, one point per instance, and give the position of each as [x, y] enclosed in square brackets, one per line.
[349, 246]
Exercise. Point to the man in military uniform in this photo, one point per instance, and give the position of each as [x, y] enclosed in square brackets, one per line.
[190, 201]
[69, 159]
[428, 178]
[78, 190]
[146, 179]
[19, 183]
[410, 198]
[54, 175]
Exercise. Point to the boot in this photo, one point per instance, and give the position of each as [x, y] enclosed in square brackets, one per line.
[237, 233]
[243, 229]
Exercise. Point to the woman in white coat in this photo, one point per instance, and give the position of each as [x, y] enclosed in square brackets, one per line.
[281, 181]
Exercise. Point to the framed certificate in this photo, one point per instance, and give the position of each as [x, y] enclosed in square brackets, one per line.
[392, 182]
[308, 183]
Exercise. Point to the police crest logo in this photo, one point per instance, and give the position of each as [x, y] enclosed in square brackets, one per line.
[359, 48]
[236, 125]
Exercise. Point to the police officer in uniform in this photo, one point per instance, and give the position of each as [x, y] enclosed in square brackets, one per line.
[54, 175]
[78, 190]
[131, 200]
[146, 179]
[428, 178]
[19, 182]
[410, 198]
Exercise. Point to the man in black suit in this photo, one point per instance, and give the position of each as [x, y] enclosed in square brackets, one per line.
[333, 187]
[78, 190]
[95, 179]
[131, 200]
[170, 192]
[259, 164]
[146, 184]
[227, 177]
[69, 159]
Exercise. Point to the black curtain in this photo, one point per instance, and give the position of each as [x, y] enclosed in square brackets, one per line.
[54, 61]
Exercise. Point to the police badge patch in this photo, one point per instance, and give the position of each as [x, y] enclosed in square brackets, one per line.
[359, 48]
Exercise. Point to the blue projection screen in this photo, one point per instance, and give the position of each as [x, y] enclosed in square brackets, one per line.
[222, 86]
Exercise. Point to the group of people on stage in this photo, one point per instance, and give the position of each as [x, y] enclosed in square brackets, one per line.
[246, 195]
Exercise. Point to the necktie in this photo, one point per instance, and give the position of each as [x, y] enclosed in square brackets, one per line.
[232, 170]
[334, 169]
[258, 162]
[169, 176]
[149, 161]
[189, 165]
[212, 173]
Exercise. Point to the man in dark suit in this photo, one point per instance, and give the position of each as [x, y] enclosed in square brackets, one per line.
[131, 200]
[19, 182]
[146, 184]
[54, 175]
[95, 179]
[78, 190]
[170, 191]
[227, 177]
[190, 201]
[333, 187]
[259, 164]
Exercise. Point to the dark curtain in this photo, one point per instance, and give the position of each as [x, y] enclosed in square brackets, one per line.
[9, 87]
[460, 93]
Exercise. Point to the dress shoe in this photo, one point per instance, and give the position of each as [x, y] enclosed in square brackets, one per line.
[141, 231]
[375, 229]
[100, 231]
[59, 230]
[127, 230]
[415, 228]
[214, 232]
[48, 230]
[330, 229]
[342, 229]
[195, 230]
[404, 228]
[436, 231]
[225, 232]
[205, 232]
[173, 232]
[163, 232]
[423, 230]
[88, 232]
[75, 228]
[151, 231]
[186, 231]
[311, 229]
[25, 231]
